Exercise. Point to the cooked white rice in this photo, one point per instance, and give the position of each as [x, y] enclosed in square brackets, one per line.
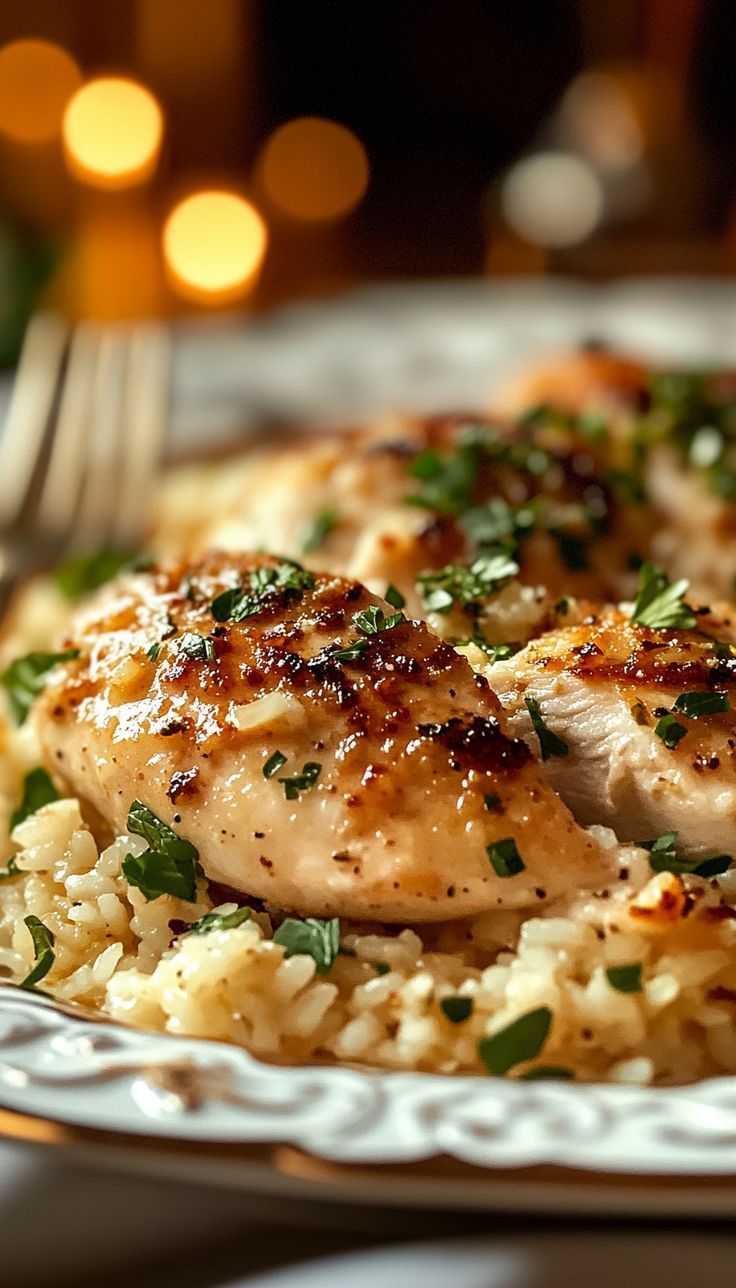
[381, 1000]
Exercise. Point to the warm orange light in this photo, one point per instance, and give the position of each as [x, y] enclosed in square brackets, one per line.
[314, 169]
[214, 244]
[112, 132]
[36, 81]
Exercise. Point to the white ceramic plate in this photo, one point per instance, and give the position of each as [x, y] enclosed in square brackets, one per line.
[174, 1103]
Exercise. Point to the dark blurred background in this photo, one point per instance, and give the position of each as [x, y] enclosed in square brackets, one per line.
[351, 140]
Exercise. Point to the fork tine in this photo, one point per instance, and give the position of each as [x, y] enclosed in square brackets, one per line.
[61, 487]
[30, 410]
[147, 389]
[93, 522]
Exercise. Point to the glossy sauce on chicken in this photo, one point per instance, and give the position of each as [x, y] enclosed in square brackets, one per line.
[320, 755]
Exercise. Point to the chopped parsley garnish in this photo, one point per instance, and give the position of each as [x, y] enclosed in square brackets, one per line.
[153, 652]
[199, 647]
[38, 790]
[548, 1073]
[219, 921]
[625, 979]
[663, 857]
[467, 587]
[521, 1040]
[493, 803]
[670, 731]
[550, 744]
[43, 951]
[274, 764]
[11, 870]
[351, 652]
[86, 572]
[505, 858]
[457, 1009]
[239, 602]
[497, 523]
[393, 596]
[381, 968]
[170, 864]
[26, 676]
[447, 483]
[659, 602]
[297, 783]
[313, 938]
[373, 620]
[322, 526]
[708, 703]
[495, 652]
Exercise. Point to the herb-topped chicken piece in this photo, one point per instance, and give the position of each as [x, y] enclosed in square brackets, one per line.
[635, 716]
[666, 439]
[394, 502]
[312, 747]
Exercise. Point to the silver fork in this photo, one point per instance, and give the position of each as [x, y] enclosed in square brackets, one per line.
[81, 446]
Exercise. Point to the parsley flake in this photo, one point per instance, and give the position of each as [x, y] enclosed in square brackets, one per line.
[494, 652]
[457, 1009]
[274, 764]
[394, 597]
[297, 783]
[38, 790]
[239, 602]
[663, 857]
[321, 528]
[447, 483]
[219, 921]
[708, 703]
[373, 620]
[550, 744]
[11, 870]
[153, 652]
[505, 858]
[521, 1040]
[351, 652]
[170, 864]
[199, 647]
[659, 602]
[26, 676]
[670, 731]
[467, 587]
[43, 951]
[625, 979]
[84, 573]
[313, 938]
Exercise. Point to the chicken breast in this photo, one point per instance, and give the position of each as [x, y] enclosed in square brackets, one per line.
[669, 437]
[648, 720]
[586, 380]
[319, 755]
[392, 501]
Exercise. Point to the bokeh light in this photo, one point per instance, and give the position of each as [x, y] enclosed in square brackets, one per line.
[112, 132]
[314, 169]
[599, 119]
[552, 199]
[214, 245]
[37, 79]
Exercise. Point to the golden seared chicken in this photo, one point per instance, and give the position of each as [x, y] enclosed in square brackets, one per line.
[637, 724]
[593, 379]
[388, 503]
[319, 753]
[667, 438]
